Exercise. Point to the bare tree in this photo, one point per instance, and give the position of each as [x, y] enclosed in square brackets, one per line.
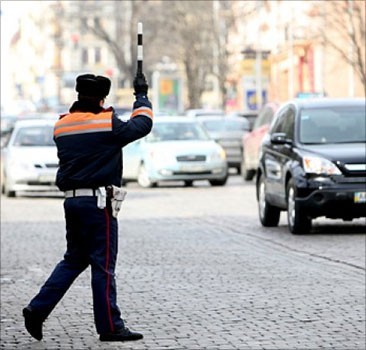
[199, 32]
[224, 21]
[192, 33]
[122, 40]
[346, 19]
[189, 26]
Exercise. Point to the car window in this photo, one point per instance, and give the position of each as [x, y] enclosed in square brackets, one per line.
[289, 124]
[337, 124]
[264, 117]
[284, 123]
[4, 139]
[34, 136]
[176, 131]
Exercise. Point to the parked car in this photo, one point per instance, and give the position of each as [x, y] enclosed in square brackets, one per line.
[251, 141]
[7, 125]
[228, 132]
[29, 159]
[313, 163]
[120, 110]
[201, 112]
[8, 121]
[251, 116]
[177, 149]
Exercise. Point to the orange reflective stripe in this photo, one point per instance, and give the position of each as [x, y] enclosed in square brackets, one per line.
[81, 123]
[86, 127]
[146, 111]
[79, 117]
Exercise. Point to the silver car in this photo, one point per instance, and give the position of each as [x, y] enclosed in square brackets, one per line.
[228, 132]
[177, 149]
[29, 159]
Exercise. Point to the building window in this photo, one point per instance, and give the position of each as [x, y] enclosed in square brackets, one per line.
[84, 25]
[121, 83]
[84, 56]
[97, 55]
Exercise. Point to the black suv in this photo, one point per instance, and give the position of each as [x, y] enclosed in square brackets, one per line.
[313, 163]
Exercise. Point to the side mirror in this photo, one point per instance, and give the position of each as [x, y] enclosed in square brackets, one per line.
[279, 138]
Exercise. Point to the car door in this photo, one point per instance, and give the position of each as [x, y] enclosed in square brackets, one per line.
[253, 140]
[278, 154]
[132, 160]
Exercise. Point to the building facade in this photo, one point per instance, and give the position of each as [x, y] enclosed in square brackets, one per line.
[295, 60]
[277, 52]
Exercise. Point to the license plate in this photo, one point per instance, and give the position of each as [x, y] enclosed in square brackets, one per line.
[360, 197]
[46, 178]
[192, 168]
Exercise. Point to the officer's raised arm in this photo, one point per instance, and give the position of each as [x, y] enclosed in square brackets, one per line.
[141, 119]
[140, 122]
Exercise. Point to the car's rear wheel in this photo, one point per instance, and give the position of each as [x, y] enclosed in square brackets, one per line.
[143, 178]
[269, 215]
[298, 221]
[188, 183]
[247, 174]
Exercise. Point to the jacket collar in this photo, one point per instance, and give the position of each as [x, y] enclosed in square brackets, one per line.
[85, 106]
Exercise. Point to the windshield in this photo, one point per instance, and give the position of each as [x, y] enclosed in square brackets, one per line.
[225, 125]
[34, 136]
[176, 131]
[335, 124]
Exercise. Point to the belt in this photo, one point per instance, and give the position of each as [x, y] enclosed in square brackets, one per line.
[81, 192]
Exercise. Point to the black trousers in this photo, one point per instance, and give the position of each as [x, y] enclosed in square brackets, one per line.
[92, 239]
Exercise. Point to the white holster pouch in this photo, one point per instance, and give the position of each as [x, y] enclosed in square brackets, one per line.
[101, 198]
[117, 197]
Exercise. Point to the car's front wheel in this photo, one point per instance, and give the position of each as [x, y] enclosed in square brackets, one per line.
[5, 190]
[298, 221]
[143, 178]
[220, 182]
[269, 215]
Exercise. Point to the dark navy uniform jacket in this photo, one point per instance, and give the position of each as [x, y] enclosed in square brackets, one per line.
[89, 143]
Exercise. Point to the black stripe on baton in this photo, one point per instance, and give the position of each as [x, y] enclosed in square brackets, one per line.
[139, 48]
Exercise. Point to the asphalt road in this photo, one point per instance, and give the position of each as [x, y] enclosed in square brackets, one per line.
[195, 271]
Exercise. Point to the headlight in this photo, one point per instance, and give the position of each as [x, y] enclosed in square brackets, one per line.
[19, 166]
[218, 155]
[317, 165]
[159, 157]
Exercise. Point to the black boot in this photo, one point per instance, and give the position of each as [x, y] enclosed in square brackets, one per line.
[123, 334]
[33, 323]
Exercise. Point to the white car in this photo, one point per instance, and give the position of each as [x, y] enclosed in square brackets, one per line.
[29, 159]
[177, 149]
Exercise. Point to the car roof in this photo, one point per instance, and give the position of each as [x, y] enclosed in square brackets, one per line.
[243, 112]
[35, 122]
[324, 101]
[175, 119]
[200, 112]
[223, 118]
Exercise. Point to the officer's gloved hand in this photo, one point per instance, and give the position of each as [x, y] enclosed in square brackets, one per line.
[140, 84]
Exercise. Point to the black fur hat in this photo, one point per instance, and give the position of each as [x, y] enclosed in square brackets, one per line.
[93, 86]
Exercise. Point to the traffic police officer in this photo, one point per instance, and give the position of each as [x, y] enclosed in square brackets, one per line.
[89, 142]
